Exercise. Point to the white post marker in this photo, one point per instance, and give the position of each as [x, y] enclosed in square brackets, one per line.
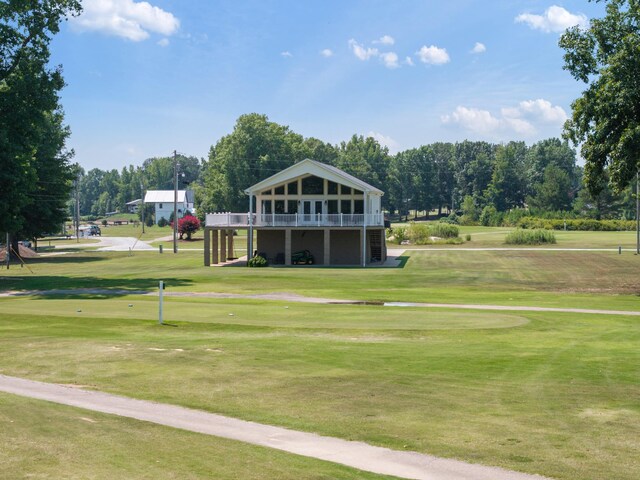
[160, 302]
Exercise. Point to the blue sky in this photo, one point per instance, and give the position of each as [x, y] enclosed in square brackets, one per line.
[145, 78]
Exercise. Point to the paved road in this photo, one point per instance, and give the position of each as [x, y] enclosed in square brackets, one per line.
[359, 455]
[121, 244]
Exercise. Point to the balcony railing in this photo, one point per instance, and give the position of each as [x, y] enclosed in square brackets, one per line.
[294, 220]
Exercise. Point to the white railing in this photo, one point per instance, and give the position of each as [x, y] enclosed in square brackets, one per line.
[294, 220]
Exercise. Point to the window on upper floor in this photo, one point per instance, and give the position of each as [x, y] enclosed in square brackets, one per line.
[279, 190]
[312, 185]
[292, 188]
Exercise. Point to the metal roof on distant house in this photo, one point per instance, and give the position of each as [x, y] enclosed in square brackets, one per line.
[167, 196]
[137, 201]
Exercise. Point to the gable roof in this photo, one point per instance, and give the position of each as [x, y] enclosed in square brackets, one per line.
[167, 196]
[311, 167]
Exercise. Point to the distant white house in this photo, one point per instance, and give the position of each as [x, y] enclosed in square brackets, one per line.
[132, 206]
[163, 201]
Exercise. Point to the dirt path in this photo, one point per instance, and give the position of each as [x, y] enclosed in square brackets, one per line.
[353, 454]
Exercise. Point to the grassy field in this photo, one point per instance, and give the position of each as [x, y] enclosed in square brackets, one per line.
[45, 440]
[493, 237]
[549, 393]
[602, 280]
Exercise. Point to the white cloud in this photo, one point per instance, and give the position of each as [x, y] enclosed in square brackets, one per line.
[541, 110]
[390, 59]
[125, 18]
[286, 54]
[164, 42]
[480, 121]
[409, 61]
[326, 53]
[385, 40]
[433, 55]
[554, 19]
[479, 48]
[522, 119]
[361, 52]
[388, 142]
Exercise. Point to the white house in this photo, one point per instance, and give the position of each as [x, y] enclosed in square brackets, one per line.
[164, 200]
[133, 205]
[308, 206]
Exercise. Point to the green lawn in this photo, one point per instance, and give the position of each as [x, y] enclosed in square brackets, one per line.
[45, 440]
[549, 393]
[493, 237]
[602, 280]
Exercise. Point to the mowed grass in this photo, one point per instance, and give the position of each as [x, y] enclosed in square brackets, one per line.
[603, 280]
[45, 440]
[494, 237]
[555, 394]
[549, 393]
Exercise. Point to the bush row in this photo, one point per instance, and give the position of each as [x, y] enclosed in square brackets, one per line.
[424, 234]
[530, 237]
[582, 224]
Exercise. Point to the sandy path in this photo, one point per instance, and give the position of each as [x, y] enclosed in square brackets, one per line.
[353, 454]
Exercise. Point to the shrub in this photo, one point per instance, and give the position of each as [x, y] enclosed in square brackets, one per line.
[163, 222]
[443, 230]
[538, 236]
[397, 234]
[419, 233]
[452, 219]
[468, 237]
[104, 223]
[490, 217]
[257, 261]
[188, 225]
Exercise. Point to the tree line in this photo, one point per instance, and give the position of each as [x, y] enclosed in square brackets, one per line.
[465, 177]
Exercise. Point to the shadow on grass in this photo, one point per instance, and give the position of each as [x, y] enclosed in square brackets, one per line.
[403, 259]
[61, 287]
[65, 259]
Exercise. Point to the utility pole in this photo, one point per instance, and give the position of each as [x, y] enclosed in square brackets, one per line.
[175, 201]
[142, 205]
[637, 212]
[77, 209]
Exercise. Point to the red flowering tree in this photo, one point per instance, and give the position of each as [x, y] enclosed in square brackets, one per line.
[188, 225]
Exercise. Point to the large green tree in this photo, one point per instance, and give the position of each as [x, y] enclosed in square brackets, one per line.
[256, 149]
[507, 187]
[606, 118]
[35, 174]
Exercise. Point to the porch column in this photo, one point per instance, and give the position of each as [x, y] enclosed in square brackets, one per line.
[287, 246]
[214, 246]
[207, 247]
[230, 244]
[327, 246]
[223, 245]
[363, 245]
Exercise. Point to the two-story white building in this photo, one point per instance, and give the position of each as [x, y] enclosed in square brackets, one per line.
[164, 200]
[308, 206]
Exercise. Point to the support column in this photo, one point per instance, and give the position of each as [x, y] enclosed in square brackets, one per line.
[223, 246]
[230, 244]
[207, 247]
[214, 247]
[287, 246]
[363, 245]
[327, 246]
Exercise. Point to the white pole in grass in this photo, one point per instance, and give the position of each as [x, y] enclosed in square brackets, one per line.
[160, 302]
